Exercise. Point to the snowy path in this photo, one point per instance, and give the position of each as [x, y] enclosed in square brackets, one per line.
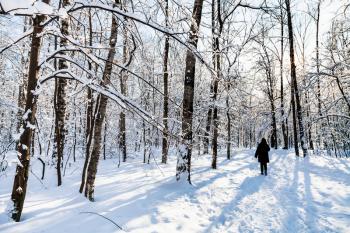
[298, 195]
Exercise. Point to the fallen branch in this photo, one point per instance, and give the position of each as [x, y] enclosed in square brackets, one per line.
[87, 212]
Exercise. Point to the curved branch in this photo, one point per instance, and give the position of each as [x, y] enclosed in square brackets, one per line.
[26, 34]
[88, 212]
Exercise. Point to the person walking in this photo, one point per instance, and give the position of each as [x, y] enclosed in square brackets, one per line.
[262, 153]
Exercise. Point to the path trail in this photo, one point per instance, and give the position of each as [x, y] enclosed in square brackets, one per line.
[299, 195]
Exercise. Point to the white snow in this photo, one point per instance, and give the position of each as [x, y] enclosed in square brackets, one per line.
[18, 4]
[26, 7]
[298, 195]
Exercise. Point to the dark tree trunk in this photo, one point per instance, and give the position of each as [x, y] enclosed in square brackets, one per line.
[207, 129]
[294, 81]
[60, 104]
[270, 87]
[123, 78]
[228, 152]
[283, 126]
[100, 116]
[270, 91]
[318, 71]
[104, 139]
[24, 144]
[212, 84]
[184, 158]
[274, 126]
[165, 144]
[89, 119]
[144, 141]
[318, 58]
[21, 101]
[216, 31]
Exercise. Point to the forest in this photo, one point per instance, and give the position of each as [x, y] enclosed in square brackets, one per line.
[102, 96]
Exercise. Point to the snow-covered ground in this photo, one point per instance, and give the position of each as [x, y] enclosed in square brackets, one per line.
[298, 195]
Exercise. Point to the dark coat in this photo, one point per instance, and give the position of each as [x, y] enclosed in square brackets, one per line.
[262, 153]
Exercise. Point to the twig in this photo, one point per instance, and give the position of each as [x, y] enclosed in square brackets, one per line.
[38, 178]
[155, 161]
[87, 212]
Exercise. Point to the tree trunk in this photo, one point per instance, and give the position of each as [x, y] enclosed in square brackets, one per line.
[104, 139]
[123, 78]
[23, 145]
[270, 87]
[210, 110]
[207, 129]
[294, 80]
[228, 152]
[274, 125]
[165, 144]
[144, 141]
[21, 101]
[184, 159]
[308, 110]
[100, 116]
[318, 70]
[217, 67]
[60, 105]
[318, 58]
[89, 119]
[283, 126]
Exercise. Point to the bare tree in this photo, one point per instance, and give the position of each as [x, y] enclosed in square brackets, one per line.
[101, 107]
[25, 142]
[60, 103]
[89, 116]
[165, 144]
[294, 87]
[185, 151]
[283, 124]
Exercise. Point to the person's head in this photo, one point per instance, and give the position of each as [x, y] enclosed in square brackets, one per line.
[263, 141]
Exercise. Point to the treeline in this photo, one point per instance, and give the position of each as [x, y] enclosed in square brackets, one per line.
[85, 80]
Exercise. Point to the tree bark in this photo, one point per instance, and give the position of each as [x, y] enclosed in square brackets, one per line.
[24, 144]
[294, 80]
[21, 101]
[60, 105]
[270, 87]
[318, 70]
[89, 119]
[318, 59]
[283, 125]
[123, 78]
[184, 159]
[165, 144]
[207, 128]
[100, 116]
[217, 67]
[228, 149]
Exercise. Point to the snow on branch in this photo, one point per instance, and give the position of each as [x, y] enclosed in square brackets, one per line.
[78, 5]
[32, 8]
[25, 7]
[21, 37]
[106, 90]
[99, 61]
